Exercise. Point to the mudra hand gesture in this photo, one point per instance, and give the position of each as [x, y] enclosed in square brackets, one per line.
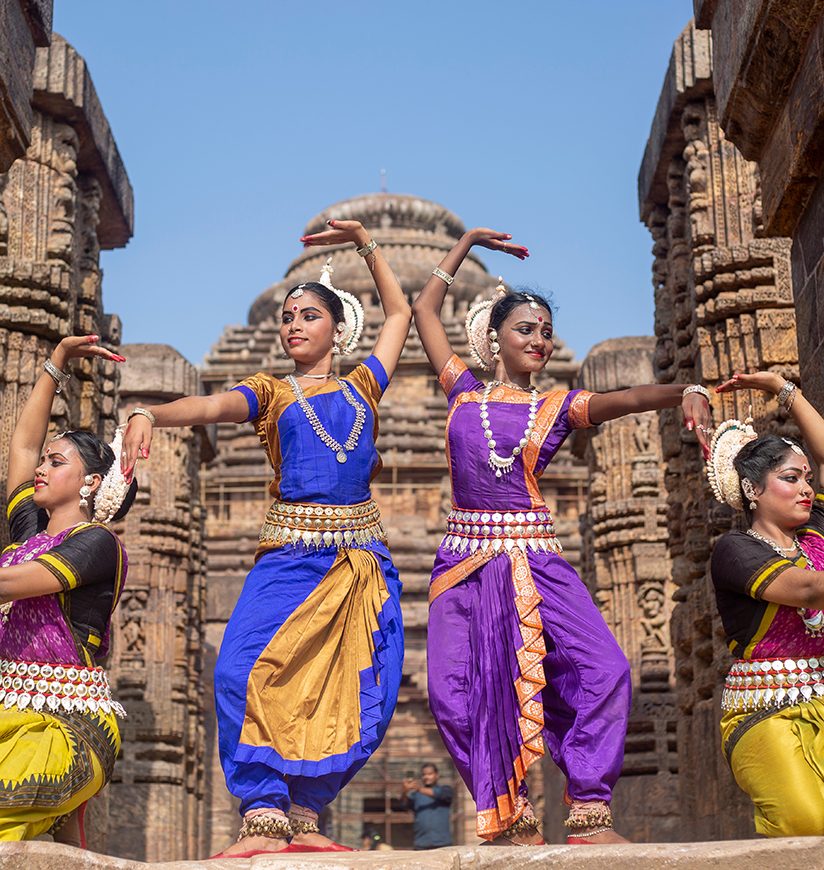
[495, 241]
[339, 233]
[698, 419]
[82, 347]
[769, 382]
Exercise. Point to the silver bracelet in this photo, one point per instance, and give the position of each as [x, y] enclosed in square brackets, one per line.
[786, 395]
[367, 249]
[444, 276]
[142, 412]
[697, 388]
[60, 377]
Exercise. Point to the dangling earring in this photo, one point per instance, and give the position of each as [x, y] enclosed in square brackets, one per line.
[338, 339]
[494, 347]
[749, 492]
[86, 491]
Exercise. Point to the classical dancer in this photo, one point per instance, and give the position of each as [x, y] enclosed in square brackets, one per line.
[769, 586]
[309, 669]
[60, 580]
[518, 653]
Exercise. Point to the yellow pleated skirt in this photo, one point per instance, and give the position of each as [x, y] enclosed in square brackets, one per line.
[50, 765]
[779, 763]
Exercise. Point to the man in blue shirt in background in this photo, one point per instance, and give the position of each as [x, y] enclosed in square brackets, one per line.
[430, 803]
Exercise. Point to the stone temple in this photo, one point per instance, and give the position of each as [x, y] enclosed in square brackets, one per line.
[730, 188]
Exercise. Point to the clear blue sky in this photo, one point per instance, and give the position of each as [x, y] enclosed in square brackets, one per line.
[238, 122]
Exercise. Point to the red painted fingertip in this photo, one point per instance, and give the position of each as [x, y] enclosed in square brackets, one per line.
[331, 222]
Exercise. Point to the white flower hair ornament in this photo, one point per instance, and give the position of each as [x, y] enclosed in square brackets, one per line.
[477, 328]
[348, 337]
[112, 491]
[726, 443]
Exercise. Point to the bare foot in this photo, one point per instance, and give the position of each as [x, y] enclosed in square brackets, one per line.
[597, 839]
[69, 832]
[254, 844]
[318, 841]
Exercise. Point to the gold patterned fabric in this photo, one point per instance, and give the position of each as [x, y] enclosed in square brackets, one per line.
[304, 691]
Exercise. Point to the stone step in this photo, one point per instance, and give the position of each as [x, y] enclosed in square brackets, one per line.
[779, 854]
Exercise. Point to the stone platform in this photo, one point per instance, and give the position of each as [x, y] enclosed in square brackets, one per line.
[782, 854]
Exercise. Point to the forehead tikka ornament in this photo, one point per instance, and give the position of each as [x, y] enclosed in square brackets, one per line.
[477, 328]
[726, 443]
[795, 448]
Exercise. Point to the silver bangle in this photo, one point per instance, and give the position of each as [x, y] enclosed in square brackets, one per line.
[367, 249]
[444, 276]
[786, 395]
[60, 377]
[697, 388]
[142, 412]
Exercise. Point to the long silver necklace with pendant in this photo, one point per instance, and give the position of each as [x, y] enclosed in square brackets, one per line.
[814, 625]
[503, 464]
[340, 450]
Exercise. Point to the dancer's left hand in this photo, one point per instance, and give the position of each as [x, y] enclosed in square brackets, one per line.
[698, 418]
[339, 233]
[769, 382]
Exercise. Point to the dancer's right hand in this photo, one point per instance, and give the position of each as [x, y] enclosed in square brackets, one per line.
[136, 442]
[495, 241]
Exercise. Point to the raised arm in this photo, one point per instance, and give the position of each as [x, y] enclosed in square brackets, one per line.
[230, 407]
[654, 397]
[398, 314]
[809, 421]
[33, 423]
[427, 307]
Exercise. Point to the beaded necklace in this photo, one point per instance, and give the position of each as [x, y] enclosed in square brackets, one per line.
[503, 464]
[340, 450]
[814, 624]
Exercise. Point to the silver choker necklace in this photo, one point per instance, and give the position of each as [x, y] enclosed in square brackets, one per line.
[778, 549]
[298, 374]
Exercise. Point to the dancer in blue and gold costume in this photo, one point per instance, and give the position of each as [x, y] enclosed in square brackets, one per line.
[309, 669]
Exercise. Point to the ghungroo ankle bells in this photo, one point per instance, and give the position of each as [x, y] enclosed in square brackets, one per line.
[272, 824]
[587, 816]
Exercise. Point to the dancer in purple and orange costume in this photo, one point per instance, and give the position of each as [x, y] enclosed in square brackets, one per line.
[519, 654]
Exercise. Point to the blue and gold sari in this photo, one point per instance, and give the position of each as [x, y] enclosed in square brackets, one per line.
[308, 673]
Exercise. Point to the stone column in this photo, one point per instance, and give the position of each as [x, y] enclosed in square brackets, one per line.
[723, 302]
[156, 797]
[67, 198]
[626, 564]
[24, 25]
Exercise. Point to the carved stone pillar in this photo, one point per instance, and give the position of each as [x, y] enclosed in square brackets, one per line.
[67, 198]
[24, 25]
[155, 801]
[626, 565]
[723, 302]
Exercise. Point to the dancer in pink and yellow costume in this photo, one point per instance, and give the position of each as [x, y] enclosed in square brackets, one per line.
[769, 585]
[519, 655]
[60, 580]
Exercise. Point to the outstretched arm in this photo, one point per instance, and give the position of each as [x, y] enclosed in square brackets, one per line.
[398, 314]
[33, 422]
[797, 587]
[427, 307]
[230, 407]
[654, 397]
[809, 421]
